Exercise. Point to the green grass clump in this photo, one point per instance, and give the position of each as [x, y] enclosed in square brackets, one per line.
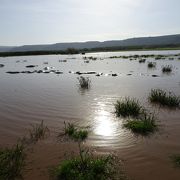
[85, 166]
[12, 161]
[144, 126]
[167, 69]
[90, 169]
[84, 82]
[163, 98]
[151, 64]
[176, 160]
[128, 107]
[75, 133]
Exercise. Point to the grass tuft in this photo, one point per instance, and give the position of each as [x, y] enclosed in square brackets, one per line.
[163, 98]
[128, 107]
[151, 64]
[90, 169]
[144, 126]
[38, 132]
[167, 69]
[12, 161]
[75, 133]
[84, 82]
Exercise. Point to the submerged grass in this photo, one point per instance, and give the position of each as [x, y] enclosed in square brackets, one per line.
[142, 60]
[167, 69]
[128, 107]
[144, 125]
[163, 98]
[74, 132]
[176, 160]
[84, 82]
[151, 64]
[38, 132]
[12, 161]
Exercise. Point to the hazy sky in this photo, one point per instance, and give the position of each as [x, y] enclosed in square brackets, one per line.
[51, 21]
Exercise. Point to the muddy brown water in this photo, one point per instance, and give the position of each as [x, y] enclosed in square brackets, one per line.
[30, 98]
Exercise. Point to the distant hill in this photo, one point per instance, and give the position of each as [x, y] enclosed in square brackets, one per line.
[141, 41]
[6, 48]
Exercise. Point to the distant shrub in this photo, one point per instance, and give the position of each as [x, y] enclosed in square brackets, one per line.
[151, 64]
[142, 60]
[167, 69]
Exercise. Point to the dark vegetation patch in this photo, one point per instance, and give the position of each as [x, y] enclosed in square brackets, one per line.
[85, 166]
[151, 64]
[143, 125]
[164, 98]
[167, 69]
[84, 82]
[128, 107]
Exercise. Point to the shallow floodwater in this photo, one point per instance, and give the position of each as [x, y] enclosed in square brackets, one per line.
[29, 98]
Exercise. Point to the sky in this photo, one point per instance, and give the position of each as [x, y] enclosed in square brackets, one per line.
[52, 21]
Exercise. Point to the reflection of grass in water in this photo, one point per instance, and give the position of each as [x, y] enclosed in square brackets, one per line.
[12, 161]
[163, 98]
[86, 165]
[128, 107]
[143, 125]
[176, 160]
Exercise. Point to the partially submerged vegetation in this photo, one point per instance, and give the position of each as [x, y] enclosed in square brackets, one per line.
[176, 160]
[13, 159]
[143, 125]
[86, 165]
[90, 169]
[38, 132]
[163, 98]
[142, 60]
[84, 82]
[167, 69]
[139, 120]
[151, 64]
[128, 107]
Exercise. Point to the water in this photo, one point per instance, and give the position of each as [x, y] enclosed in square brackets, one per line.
[29, 98]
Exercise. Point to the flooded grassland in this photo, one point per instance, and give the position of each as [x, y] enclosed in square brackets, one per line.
[36, 88]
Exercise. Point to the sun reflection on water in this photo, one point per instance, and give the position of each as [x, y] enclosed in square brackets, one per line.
[104, 124]
[107, 129]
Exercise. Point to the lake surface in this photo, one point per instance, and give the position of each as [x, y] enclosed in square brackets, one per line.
[30, 98]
